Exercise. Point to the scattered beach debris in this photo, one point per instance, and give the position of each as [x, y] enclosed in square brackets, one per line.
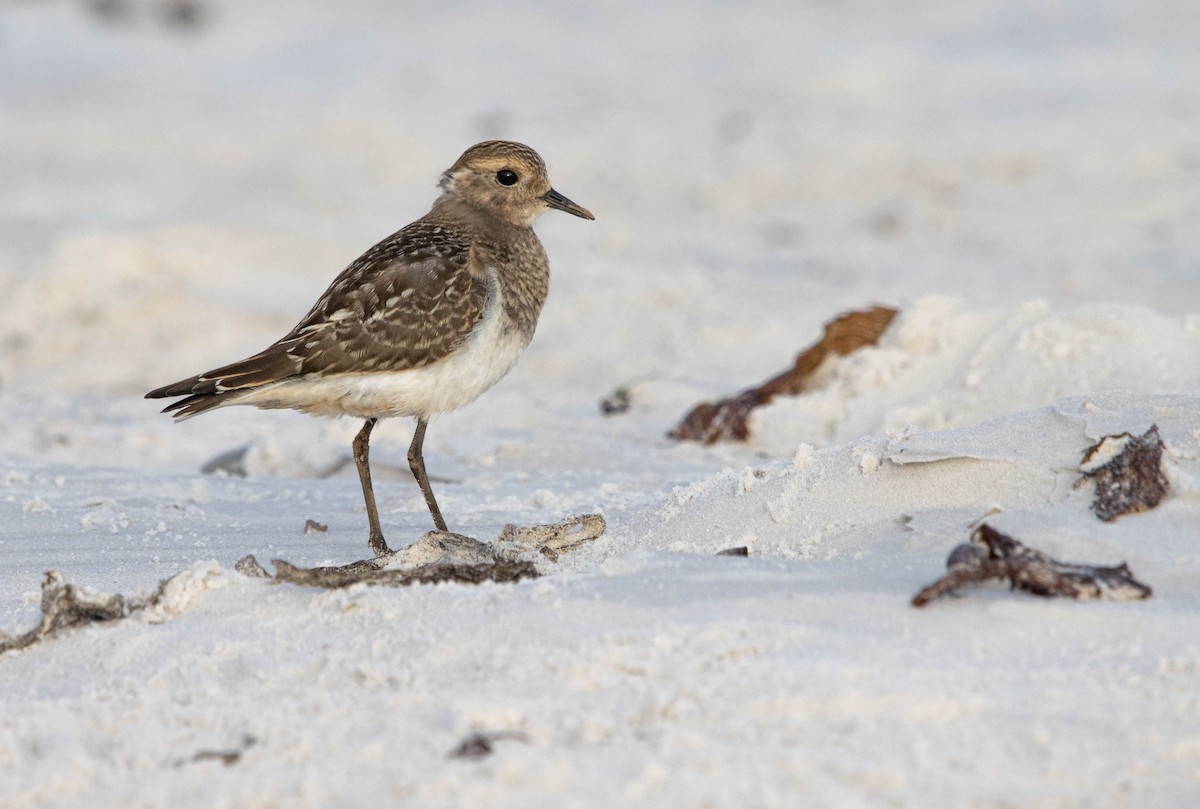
[617, 402]
[740, 550]
[441, 556]
[1127, 472]
[438, 556]
[231, 462]
[555, 539]
[366, 572]
[66, 605]
[727, 419]
[249, 566]
[176, 14]
[227, 757]
[481, 745]
[993, 555]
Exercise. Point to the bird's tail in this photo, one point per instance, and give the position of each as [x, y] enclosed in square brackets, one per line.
[227, 384]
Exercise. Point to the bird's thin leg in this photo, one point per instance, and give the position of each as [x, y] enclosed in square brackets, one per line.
[417, 464]
[362, 449]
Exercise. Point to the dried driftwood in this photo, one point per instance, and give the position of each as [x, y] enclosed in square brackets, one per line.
[67, 605]
[500, 570]
[1127, 472]
[436, 557]
[727, 419]
[993, 555]
[441, 556]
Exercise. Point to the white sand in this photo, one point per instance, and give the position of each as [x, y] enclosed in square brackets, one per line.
[1022, 179]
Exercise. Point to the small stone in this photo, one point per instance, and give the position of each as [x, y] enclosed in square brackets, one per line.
[249, 566]
[232, 463]
[617, 402]
[966, 555]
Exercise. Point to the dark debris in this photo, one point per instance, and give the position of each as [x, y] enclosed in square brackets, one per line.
[617, 402]
[996, 556]
[728, 419]
[501, 571]
[227, 757]
[65, 606]
[477, 745]
[1132, 480]
[444, 556]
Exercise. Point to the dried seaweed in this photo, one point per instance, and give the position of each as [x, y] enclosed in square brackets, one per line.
[443, 556]
[344, 576]
[728, 419]
[1127, 472]
[437, 557]
[994, 556]
[249, 566]
[555, 539]
[65, 606]
[481, 745]
[228, 757]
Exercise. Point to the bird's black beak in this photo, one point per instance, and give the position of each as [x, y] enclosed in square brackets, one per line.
[558, 202]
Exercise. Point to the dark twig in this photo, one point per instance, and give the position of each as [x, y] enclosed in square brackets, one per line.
[1026, 569]
[481, 745]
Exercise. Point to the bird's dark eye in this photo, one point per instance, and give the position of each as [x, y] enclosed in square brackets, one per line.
[506, 177]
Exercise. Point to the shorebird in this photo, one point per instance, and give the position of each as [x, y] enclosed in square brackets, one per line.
[420, 324]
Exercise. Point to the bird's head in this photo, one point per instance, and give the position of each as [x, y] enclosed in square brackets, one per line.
[507, 180]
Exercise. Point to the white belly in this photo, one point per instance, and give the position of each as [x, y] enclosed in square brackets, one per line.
[448, 384]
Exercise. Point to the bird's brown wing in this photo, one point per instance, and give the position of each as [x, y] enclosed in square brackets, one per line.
[406, 303]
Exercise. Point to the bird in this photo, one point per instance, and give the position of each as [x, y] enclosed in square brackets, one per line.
[419, 325]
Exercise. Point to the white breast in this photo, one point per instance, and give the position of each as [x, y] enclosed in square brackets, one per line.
[488, 354]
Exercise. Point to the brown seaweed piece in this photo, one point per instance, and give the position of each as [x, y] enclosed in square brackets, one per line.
[1132, 480]
[726, 420]
[66, 605]
[993, 555]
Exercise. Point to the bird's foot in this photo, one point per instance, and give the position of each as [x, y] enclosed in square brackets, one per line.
[378, 545]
